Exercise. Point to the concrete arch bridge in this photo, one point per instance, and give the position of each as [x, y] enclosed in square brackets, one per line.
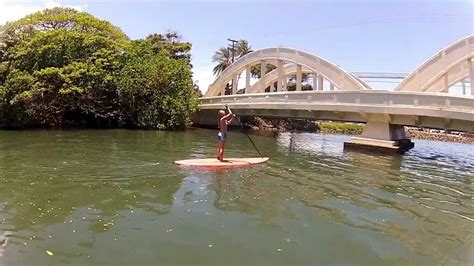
[421, 99]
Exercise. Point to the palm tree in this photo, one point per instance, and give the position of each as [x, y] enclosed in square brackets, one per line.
[223, 57]
[243, 48]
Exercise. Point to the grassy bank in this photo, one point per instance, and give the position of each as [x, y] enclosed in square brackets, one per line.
[288, 124]
[340, 128]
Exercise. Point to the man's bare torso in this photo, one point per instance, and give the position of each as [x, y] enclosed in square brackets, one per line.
[223, 125]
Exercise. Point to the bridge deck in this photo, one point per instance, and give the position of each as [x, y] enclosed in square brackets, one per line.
[404, 108]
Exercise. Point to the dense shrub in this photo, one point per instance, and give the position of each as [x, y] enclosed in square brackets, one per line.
[156, 91]
[60, 67]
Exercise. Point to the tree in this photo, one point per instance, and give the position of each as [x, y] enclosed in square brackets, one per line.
[243, 48]
[172, 43]
[223, 58]
[255, 70]
[3, 64]
[156, 90]
[60, 67]
[197, 89]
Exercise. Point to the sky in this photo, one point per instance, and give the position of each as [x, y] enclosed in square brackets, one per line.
[360, 36]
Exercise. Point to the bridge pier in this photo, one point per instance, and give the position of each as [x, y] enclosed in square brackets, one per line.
[381, 136]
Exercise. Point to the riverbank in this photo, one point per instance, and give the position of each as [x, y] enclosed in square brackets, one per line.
[433, 134]
[274, 126]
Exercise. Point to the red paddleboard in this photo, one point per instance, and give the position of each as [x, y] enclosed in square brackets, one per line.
[227, 163]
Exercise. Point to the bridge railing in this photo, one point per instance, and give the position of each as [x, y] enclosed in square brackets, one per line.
[355, 98]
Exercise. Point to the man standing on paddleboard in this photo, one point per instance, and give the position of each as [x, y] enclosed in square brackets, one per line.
[223, 121]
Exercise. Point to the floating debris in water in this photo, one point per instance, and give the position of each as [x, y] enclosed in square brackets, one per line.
[107, 225]
[49, 253]
[210, 245]
[279, 249]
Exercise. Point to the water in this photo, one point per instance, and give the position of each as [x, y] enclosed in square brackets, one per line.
[114, 197]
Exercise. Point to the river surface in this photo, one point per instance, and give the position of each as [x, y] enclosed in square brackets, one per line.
[114, 197]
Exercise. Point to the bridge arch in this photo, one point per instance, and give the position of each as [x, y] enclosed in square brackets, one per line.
[451, 65]
[287, 61]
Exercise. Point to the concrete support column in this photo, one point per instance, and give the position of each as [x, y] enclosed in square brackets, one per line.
[285, 83]
[382, 130]
[464, 87]
[445, 83]
[331, 87]
[315, 81]
[471, 75]
[263, 71]
[320, 82]
[417, 79]
[382, 136]
[234, 84]
[298, 77]
[280, 74]
[247, 79]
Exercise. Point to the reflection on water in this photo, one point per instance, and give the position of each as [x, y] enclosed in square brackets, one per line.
[115, 197]
[422, 197]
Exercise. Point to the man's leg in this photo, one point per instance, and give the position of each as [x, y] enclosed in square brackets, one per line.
[222, 151]
[219, 151]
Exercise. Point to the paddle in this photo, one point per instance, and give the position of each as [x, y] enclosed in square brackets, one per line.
[238, 121]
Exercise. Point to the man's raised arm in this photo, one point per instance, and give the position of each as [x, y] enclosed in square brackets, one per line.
[230, 115]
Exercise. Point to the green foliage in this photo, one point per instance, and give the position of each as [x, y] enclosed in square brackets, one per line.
[197, 90]
[223, 56]
[60, 67]
[156, 91]
[255, 70]
[291, 86]
[341, 128]
[172, 44]
[62, 18]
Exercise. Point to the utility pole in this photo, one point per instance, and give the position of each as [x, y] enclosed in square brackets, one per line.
[233, 58]
[233, 47]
